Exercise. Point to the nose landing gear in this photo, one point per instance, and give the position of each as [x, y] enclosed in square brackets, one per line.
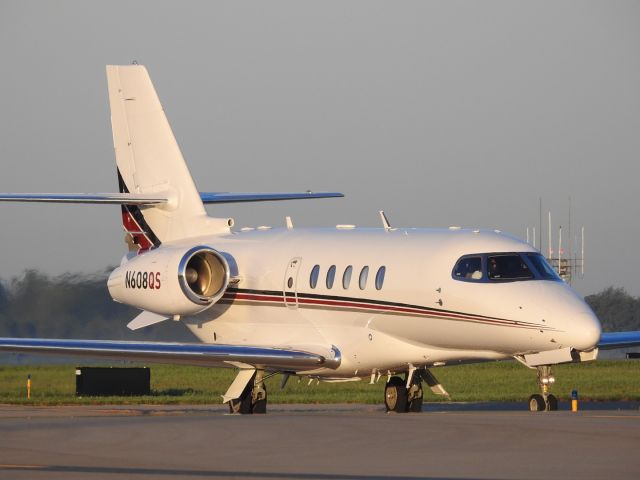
[547, 401]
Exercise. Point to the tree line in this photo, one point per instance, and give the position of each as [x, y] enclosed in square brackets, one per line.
[73, 306]
[79, 306]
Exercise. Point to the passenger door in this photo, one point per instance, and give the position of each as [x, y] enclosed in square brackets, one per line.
[290, 287]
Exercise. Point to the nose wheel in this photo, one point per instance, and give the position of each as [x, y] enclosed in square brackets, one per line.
[544, 401]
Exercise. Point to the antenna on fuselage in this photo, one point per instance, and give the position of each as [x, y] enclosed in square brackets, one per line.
[385, 220]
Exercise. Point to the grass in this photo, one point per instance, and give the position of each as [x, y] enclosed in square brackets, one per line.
[498, 381]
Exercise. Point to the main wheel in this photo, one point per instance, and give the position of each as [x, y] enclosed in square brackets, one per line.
[552, 403]
[242, 405]
[395, 395]
[536, 403]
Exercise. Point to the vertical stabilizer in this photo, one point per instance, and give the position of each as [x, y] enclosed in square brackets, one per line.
[149, 161]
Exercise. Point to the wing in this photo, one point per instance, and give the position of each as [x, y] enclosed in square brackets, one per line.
[225, 197]
[200, 354]
[619, 340]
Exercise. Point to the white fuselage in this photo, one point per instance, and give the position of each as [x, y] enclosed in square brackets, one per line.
[421, 315]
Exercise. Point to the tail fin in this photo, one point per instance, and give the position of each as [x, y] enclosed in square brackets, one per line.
[160, 203]
[150, 162]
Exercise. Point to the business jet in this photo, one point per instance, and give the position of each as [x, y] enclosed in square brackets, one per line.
[333, 304]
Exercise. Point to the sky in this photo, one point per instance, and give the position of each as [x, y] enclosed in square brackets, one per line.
[440, 113]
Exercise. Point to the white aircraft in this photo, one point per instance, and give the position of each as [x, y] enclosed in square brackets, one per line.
[336, 304]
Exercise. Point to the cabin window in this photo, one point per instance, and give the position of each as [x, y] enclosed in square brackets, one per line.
[507, 267]
[380, 277]
[346, 277]
[313, 279]
[468, 268]
[331, 276]
[364, 273]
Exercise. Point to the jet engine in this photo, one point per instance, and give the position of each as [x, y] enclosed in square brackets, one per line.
[171, 281]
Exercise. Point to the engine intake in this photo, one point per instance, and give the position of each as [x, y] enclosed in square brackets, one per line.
[203, 275]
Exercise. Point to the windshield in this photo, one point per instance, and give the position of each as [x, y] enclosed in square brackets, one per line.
[508, 267]
[540, 263]
[469, 268]
[503, 267]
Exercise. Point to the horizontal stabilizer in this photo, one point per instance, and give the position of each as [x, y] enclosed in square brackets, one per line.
[146, 319]
[619, 340]
[202, 354]
[226, 197]
[97, 198]
[158, 199]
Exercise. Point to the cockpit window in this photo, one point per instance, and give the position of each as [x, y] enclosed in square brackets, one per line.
[503, 267]
[543, 268]
[469, 268]
[507, 267]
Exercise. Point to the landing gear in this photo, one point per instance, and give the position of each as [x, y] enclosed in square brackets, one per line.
[400, 399]
[546, 401]
[415, 394]
[259, 394]
[253, 398]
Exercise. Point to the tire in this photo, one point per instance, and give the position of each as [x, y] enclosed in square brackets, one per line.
[552, 403]
[395, 395]
[241, 405]
[259, 407]
[536, 403]
[415, 405]
[416, 395]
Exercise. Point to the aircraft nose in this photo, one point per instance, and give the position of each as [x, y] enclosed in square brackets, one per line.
[586, 333]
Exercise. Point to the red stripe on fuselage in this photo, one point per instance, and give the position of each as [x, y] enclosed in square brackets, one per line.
[376, 308]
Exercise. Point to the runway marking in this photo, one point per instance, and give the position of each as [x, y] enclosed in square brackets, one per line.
[22, 467]
[622, 417]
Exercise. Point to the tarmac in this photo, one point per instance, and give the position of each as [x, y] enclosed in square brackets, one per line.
[309, 442]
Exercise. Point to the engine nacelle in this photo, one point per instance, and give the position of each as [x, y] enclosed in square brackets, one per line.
[171, 281]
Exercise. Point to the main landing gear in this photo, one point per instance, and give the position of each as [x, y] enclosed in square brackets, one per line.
[547, 401]
[406, 395]
[253, 398]
[400, 399]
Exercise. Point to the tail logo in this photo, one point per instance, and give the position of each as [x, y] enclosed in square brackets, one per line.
[139, 236]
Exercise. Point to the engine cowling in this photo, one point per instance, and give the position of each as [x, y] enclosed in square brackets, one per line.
[171, 281]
